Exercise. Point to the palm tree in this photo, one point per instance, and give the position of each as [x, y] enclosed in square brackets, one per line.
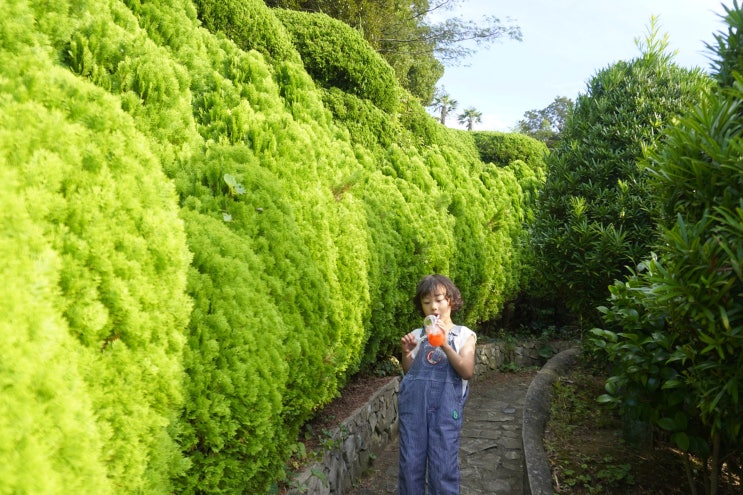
[470, 116]
[444, 104]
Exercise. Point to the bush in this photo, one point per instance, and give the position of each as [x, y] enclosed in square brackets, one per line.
[503, 148]
[250, 25]
[337, 56]
[48, 421]
[594, 213]
[103, 219]
[164, 168]
[674, 329]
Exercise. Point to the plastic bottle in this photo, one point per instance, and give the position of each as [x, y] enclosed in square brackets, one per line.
[434, 332]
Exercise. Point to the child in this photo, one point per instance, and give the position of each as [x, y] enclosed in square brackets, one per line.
[433, 393]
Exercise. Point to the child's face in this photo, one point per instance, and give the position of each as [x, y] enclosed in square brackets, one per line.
[437, 304]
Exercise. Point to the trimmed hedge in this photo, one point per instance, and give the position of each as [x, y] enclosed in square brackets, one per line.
[220, 244]
[336, 56]
[502, 149]
[99, 366]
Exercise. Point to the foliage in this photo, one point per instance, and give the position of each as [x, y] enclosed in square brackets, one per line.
[367, 124]
[523, 156]
[594, 214]
[220, 240]
[249, 25]
[470, 117]
[92, 348]
[502, 149]
[414, 37]
[547, 124]
[336, 56]
[674, 328]
[48, 422]
[727, 52]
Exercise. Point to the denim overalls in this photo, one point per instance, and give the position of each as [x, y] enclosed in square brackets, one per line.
[430, 407]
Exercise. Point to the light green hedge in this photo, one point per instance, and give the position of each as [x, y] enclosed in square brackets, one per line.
[220, 244]
[502, 149]
[49, 440]
[337, 56]
[100, 364]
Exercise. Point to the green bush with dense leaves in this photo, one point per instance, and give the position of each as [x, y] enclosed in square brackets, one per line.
[95, 264]
[674, 330]
[248, 24]
[50, 440]
[594, 215]
[336, 56]
[524, 156]
[206, 242]
[503, 148]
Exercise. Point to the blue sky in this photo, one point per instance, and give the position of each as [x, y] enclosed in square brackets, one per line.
[564, 44]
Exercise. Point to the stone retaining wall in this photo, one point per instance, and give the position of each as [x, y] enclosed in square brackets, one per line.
[370, 428]
[537, 472]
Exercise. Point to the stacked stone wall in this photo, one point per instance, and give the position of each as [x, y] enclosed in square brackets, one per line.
[363, 436]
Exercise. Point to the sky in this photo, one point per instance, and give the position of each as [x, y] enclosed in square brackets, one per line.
[565, 43]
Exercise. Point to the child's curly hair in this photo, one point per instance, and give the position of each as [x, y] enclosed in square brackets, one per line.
[428, 286]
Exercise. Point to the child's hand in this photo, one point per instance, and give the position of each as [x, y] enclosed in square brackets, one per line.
[408, 342]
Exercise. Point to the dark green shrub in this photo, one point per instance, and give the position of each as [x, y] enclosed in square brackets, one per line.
[675, 329]
[594, 213]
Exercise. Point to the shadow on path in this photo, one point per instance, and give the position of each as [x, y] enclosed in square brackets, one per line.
[491, 454]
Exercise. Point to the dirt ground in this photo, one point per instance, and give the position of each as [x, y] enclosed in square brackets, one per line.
[588, 453]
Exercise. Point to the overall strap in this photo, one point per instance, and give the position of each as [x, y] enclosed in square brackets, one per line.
[452, 342]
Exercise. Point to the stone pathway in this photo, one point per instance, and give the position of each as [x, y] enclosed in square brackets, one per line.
[491, 456]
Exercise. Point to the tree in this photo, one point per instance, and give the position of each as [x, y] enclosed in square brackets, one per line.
[450, 36]
[547, 124]
[594, 213]
[470, 116]
[673, 329]
[410, 37]
[443, 103]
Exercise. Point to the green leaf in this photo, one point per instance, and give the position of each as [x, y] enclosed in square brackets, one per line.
[672, 384]
[667, 424]
[681, 439]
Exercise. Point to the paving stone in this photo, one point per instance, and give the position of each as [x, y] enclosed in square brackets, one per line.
[491, 456]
